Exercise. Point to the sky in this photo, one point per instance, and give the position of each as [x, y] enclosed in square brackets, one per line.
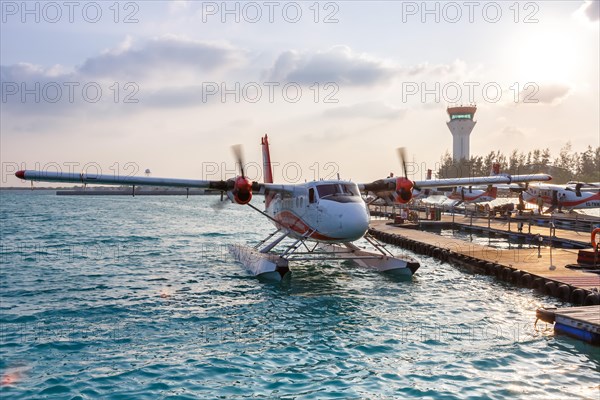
[121, 87]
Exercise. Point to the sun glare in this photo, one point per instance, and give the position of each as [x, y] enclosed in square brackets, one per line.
[549, 56]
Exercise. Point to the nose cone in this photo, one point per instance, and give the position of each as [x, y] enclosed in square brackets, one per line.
[356, 222]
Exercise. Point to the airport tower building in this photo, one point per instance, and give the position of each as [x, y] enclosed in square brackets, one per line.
[461, 124]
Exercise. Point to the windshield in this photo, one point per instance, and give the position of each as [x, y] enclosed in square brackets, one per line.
[342, 192]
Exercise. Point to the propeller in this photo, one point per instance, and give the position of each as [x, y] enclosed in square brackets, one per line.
[238, 153]
[219, 204]
[404, 186]
[242, 187]
[402, 156]
[238, 189]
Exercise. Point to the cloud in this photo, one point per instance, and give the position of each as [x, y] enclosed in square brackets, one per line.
[164, 54]
[551, 93]
[338, 64]
[176, 6]
[371, 110]
[590, 10]
[126, 74]
[345, 67]
[512, 133]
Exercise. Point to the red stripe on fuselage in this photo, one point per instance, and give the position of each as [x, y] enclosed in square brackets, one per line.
[291, 221]
[578, 202]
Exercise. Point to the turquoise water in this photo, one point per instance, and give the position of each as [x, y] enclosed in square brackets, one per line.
[137, 298]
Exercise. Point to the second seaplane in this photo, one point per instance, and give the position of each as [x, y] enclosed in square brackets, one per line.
[322, 219]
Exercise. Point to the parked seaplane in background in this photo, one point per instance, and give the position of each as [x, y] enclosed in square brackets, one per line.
[573, 195]
[473, 195]
[322, 219]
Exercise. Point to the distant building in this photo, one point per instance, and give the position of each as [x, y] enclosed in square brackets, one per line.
[461, 124]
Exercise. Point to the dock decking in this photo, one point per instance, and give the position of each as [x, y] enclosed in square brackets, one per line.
[580, 322]
[525, 259]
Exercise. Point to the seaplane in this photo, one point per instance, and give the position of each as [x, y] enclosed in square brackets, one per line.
[573, 195]
[472, 195]
[321, 220]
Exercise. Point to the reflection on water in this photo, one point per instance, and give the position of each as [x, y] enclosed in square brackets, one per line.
[495, 241]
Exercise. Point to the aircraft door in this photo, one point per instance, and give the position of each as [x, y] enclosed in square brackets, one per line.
[312, 207]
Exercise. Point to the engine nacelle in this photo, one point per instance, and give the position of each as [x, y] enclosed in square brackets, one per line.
[242, 191]
[404, 188]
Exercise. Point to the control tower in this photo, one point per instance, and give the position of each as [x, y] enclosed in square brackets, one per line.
[461, 124]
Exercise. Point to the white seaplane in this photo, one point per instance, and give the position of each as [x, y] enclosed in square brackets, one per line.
[322, 218]
[573, 195]
[474, 195]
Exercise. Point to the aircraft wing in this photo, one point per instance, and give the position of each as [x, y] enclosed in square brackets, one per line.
[402, 190]
[83, 178]
[391, 183]
[482, 180]
[278, 188]
[96, 179]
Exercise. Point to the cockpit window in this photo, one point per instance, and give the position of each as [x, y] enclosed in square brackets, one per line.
[341, 192]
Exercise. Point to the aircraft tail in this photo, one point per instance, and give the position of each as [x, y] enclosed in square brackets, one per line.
[267, 169]
[495, 169]
[426, 192]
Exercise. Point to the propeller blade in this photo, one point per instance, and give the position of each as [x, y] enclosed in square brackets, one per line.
[402, 156]
[239, 158]
[219, 204]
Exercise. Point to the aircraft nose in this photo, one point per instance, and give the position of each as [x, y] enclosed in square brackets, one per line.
[357, 224]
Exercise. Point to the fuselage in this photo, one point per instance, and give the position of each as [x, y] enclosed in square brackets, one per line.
[326, 211]
[566, 197]
[470, 195]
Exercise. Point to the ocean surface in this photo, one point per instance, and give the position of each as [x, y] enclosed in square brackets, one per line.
[138, 298]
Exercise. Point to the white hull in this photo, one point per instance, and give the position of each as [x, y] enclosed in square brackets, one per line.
[388, 264]
[265, 266]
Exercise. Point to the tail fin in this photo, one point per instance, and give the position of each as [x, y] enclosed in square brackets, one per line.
[495, 169]
[427, 191]
[267, 170]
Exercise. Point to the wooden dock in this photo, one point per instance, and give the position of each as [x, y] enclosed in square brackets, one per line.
[544, 269]
[580, 322]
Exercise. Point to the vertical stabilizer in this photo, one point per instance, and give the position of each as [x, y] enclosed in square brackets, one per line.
[495, 169]
[267, 170]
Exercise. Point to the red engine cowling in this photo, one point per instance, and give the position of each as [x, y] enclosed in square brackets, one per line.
[404, 189]
[242, 190]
